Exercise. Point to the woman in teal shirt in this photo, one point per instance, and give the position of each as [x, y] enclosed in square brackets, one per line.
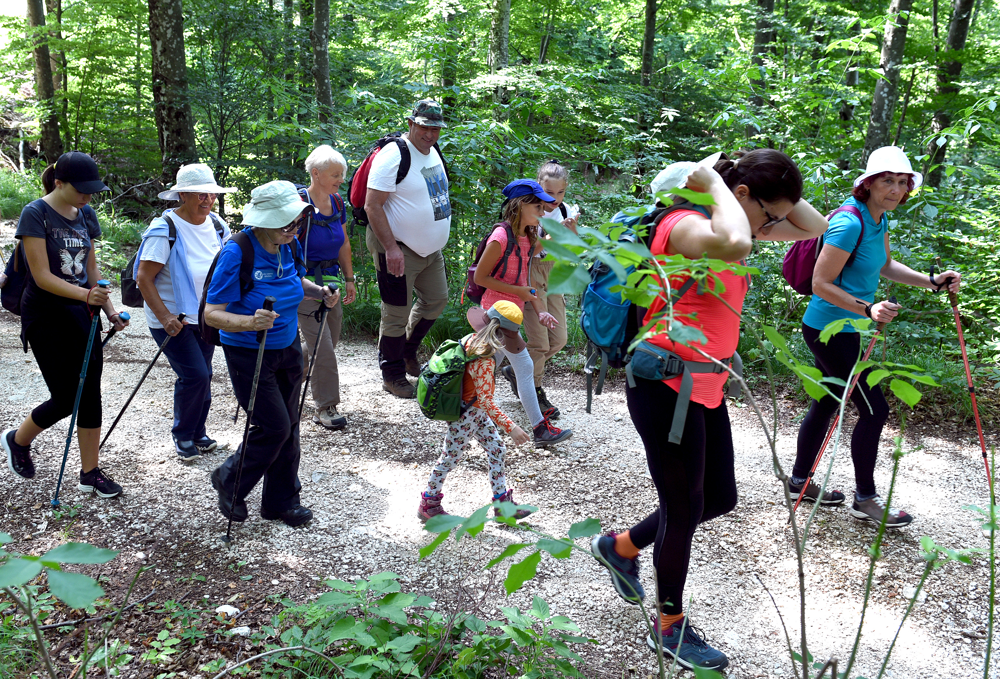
[844, 288]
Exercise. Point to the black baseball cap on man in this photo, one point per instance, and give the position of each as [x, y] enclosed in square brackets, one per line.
[427, 112]
[79, 170]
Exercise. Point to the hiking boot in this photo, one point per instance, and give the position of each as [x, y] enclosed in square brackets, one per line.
[509, 497]
[624, 572]
[97, 481]
[186, 450]
[205, 444]
[872, 510]
[548, 410]
[239, 512]
[508, 374]
[296, 516]
[400, 387]
[547, 435]
[830, 497]
[412, 367]
[330, 418]
[430, 505]
[691, 651]
[18, 457]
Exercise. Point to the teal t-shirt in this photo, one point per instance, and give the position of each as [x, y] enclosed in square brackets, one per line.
[271, 276]
[861, 277]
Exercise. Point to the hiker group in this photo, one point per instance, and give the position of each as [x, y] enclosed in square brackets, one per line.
[290, 272]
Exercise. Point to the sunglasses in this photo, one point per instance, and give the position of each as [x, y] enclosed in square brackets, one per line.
[204, 196]
[771, 219]
[294, 227]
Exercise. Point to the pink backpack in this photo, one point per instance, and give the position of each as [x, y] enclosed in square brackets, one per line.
[800, 260]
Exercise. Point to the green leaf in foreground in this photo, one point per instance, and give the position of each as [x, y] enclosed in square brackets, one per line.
[78, 552]
[567, 279]
[74, 589]
[584, 529]
[905, 392]
[16, 572]
[521, 572]
[429, 549]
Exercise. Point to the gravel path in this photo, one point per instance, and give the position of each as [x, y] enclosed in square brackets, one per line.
[363, 486]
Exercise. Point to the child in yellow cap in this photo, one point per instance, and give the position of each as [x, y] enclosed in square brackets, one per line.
[480, 416]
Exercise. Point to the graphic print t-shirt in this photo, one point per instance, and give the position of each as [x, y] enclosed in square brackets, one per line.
[419, 211]
[67, 242]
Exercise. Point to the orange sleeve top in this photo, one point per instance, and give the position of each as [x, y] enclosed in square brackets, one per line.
[478, 384]
[719, 324]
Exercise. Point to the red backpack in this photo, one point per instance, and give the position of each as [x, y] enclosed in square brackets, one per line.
[800, 260]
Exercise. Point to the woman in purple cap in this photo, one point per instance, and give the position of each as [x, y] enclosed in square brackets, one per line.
[59, 300]
[506, 277]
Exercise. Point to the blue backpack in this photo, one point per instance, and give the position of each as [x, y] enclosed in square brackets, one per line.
[609, 321]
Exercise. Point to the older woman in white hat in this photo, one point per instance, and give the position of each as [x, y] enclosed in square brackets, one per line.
[276, 213]
[855, 256]
[174, 257]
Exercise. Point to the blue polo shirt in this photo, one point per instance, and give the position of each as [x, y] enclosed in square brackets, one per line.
[861, 277]
[283, 282]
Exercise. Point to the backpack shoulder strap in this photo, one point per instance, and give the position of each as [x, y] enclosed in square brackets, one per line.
[242, 239]
[171, 231]
[444, 163]
[404, 159]
[219, 225]
[563, 210]
[338, 203]
[861, 237]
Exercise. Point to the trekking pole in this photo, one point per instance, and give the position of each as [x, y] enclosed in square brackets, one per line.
[125, 316]
[142, 379]
[312, 361]
[829, 435]
[96, 317]
[261, 341]
[953, 299]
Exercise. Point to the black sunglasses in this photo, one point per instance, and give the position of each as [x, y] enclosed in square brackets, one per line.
[771, 219]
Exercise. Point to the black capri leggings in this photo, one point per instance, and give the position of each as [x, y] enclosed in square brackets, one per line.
[695, 481]
[58, 342]
[836, 359]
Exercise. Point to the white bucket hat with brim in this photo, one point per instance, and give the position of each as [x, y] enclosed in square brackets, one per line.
[676, 174]
[194, 178]
[274, 205]
[890, 159]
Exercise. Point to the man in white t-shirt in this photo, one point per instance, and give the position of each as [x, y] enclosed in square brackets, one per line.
[409, 224]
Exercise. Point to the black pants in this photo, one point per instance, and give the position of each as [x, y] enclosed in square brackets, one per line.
[836, 359]
[273, 443]
[695, 481]
[58, 343]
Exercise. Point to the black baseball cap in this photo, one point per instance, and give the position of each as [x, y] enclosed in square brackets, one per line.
[80, 170]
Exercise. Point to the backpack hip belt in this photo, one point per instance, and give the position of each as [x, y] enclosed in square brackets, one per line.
[650, 362]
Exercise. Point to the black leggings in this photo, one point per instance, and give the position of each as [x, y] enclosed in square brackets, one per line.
[836, 359]
[695, 481]
[58, 343]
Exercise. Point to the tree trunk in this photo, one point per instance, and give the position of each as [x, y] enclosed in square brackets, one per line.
[947, 89]
[762, 38]
[850, 80]
[449, 61]
[306, 60]
[50, 141]
[543, 48]
[499, 54]
[321, 59]
[648, 45]
[171, 108]
[56, 58]
[887, 89]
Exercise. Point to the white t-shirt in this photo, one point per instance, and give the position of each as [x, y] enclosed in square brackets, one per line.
[419, 211]
[200, 244]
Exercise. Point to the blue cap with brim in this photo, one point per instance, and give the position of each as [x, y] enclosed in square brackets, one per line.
[526, 187]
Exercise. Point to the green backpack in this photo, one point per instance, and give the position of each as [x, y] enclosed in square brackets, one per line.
[439, 387]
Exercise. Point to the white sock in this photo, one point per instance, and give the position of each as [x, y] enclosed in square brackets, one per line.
[524, 371]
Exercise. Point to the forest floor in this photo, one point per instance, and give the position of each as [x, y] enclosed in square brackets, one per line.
[363, 485]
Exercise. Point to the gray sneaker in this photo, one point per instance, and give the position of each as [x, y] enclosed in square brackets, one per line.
[873, 509]
[330, 418]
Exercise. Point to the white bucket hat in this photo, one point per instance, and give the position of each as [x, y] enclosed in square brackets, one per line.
[274, 205]
[890, 159]
[194, 178]
[676, 174]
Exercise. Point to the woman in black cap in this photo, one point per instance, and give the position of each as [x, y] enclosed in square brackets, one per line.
[59, 300]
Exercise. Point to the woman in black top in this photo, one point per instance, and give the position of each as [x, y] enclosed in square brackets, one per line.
[58, 303]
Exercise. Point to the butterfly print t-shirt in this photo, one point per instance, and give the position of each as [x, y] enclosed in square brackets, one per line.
[67, 242]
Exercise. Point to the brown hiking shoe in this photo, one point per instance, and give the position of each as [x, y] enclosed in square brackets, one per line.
[430, 505]
[412, 367]
[400, 387]
[548, 410]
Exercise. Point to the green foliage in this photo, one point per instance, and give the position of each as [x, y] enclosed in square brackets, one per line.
[16, 191]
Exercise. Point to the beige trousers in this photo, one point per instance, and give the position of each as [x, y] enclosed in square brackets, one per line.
[544, 343]
[325, 382]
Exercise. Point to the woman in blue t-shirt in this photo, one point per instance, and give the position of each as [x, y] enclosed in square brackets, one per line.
[845, 288]
[60, 297]
[272, 447]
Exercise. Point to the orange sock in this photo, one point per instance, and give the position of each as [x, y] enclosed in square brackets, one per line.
[668, 621]
[624, 546]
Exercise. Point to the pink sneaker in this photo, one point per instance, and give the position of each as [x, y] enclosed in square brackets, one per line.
[430, 505]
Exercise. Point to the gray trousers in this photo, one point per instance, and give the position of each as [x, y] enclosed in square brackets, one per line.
[325, 382]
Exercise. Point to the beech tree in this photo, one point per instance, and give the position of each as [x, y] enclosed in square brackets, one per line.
[320, 37]
[887, 88]
[50, 141]
[171, 108]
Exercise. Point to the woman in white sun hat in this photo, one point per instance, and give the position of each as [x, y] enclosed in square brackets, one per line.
[277, 214]
[854, 257]
[176, 252]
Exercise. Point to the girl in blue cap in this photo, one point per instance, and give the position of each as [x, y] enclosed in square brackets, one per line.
[506, 278]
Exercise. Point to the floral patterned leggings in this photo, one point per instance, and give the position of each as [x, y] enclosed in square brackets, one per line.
[473, 423]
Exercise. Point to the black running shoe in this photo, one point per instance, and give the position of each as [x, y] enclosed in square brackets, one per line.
[18, 457]
[97, 481]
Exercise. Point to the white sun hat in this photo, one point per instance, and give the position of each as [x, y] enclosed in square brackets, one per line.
[194, 178]
[890, 159]
[676, 174]
[274, 205]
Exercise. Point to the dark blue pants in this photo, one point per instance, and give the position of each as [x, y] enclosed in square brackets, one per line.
[191, 358]
[272, 451]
